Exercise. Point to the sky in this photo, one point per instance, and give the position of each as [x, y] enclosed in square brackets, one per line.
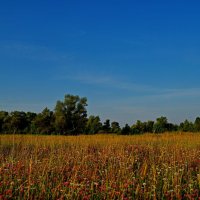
[131, 59]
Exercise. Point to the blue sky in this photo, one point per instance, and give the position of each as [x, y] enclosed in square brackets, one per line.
[131, 59]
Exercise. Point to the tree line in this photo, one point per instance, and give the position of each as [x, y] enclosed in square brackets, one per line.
[69, 117]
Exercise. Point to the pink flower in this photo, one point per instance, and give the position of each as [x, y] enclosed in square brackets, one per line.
[8, 192]
[66, 184]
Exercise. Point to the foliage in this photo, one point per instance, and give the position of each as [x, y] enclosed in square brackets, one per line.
[115, 128]
[186, 126]
[161, 125]
[197, 124]
[3, 117]
[60, 122]
[126, 130]
[106, 126]
[76, 113]
[71, 115]
[139, 127]
[70, 118]
[43, 122]
[93, 125]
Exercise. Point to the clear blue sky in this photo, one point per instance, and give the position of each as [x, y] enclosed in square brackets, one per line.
[132, 59]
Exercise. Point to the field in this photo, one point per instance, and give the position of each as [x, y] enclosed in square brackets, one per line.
[100, 167]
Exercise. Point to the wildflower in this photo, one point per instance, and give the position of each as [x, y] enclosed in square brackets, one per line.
[8, 192]
[117, 193]
[126, 185]
[66, 184]
[86, 197]
[96, 184]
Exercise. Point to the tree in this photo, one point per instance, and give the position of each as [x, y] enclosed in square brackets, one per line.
[106, 126]
[138, 128]
[3, 116]
[142, 127]
[93, 125]
[126, 130]
[197, 124]
[186, 126]
[18, 122]
[115, 127]
[43, 122]
[171, 127]
[71, 115]
[161, 125]
[30, 116]
[76, 113]
[149, 126]
[60, 115]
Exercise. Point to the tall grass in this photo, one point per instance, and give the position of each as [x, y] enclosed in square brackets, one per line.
[100, 167]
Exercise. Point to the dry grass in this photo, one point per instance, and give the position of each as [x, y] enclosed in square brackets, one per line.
[100, 167]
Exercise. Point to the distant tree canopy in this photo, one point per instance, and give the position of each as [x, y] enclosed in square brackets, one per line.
[69, 117]
[93, 125]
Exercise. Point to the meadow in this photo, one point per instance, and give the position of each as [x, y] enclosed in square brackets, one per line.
[150, 166]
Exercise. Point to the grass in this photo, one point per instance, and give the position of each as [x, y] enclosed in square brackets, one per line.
[100, 167]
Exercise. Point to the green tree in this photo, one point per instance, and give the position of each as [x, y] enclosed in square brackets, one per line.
[126, 130]
[93, 125]
[115, 127]
[18, 122]
[142, 127]
[71, 115]
[3, 116]
[149, 126]
[60, 115]
[161, 125]
[171, 127]
[197, 124]
[30, 116]
[138, 128]
[106, 126]
[43, 122]
[186, 126]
